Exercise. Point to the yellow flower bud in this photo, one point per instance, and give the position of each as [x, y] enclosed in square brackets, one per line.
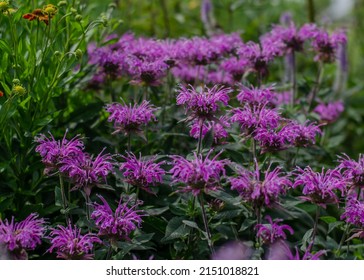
[18, 89]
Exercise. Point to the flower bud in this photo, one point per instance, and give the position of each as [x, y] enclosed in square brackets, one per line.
[78, 17]
[4, 5]
[62, 3]
[16, 82]
[73, 11]
[105, 21]
[78, 53]
[19, 90]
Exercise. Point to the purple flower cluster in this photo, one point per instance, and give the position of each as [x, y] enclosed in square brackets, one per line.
[21, 236]
[260, 191]
[70, 244]
[87, 172]
[130, 119]
[326, 45]
[54, 152]
[354, 213]
[251, 118]
[147, 61]
[202, 104]
[353, 170]
[255, 96]
[217, 127]
[68, 158]
[119, 224]
[330, 112]
[320, 187]
[142, 172]
[271, 232]
[199, 174]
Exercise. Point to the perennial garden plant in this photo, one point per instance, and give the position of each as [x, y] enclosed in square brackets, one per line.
[116, 145]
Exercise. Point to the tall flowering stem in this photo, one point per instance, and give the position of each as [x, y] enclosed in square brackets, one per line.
[314, 231]
[292, 61]
[205, 221]
[200, 136]
[64, 199]
[316, 86]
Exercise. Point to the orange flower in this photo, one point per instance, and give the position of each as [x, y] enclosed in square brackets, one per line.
[37, 14]
[44, 14]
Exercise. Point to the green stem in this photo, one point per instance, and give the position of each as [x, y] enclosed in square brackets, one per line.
[136, 195]
[311, 10]
[129, 143]
[204, 218]
[199, 144]
[317, 85]
[314, 232]
[109, 252]
[88, 208]
[64, 199]
[165, 17]
[294, 78]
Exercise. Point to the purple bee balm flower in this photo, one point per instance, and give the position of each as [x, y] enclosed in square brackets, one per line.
[320, 188]
[197, 51]
[255, 96]
[130, 119]
[236, 67]
[148, 73]
[259, 56]
[354, 213]
[272, 140]
[21, 236]
[218, 129]
[253, 117]
[330, 112]
[282, 98]
[287, 38]
[70, 244]
[204, 103]
[199, 174]
[271, 232]
[54, 152]
[353, 170]
[142, 172]
[217, 76]
[189, 74]
[326, 46]
[227, 44]
[119, 224]
[88, 172]
[260, 191]
[302, 135]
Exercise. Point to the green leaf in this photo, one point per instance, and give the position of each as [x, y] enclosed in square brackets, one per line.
[191, 224]
[328, 219]
[247, 224]
[334, 225]
[306, 239]
[208, 140]
[156, 211]
[229, 214]
[176, 229]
